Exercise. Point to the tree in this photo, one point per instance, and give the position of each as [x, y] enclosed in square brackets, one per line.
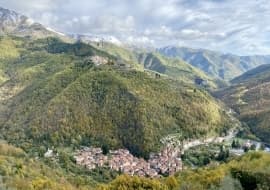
[253, 147]
[223, 154]
[262, 147]
[236, 144]
[125, 182]
[171, 182]
[105, 149]
[246, 149]
[233, 144]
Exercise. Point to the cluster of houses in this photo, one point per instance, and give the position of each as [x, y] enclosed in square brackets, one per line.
[168, 161]
[98, 60]
[125, 162]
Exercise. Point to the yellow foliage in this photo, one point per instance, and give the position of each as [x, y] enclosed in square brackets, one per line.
[8, 48]
[41, 183]
[9, 150]
[125, 182]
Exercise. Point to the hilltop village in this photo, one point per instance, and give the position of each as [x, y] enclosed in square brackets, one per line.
[166, 162]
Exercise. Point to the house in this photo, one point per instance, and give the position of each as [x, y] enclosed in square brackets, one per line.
[49, 153]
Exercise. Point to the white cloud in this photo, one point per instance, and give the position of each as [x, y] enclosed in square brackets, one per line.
[140, 41]
[189, 33]
[236, 26]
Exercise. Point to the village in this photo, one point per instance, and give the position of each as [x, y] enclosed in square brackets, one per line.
[167, 162]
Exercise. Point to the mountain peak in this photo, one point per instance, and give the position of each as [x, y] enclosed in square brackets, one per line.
[14, 23]
[7, 11]
[9, 18]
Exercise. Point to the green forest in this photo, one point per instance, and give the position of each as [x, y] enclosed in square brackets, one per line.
[54, 95]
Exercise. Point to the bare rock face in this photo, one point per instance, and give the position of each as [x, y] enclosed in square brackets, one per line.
[13, 23]
[10, 21]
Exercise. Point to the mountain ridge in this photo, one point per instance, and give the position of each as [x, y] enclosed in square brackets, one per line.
[258, 72]
[249, 97]
[218, 65]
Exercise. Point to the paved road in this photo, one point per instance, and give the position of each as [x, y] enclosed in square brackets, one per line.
[189, 144]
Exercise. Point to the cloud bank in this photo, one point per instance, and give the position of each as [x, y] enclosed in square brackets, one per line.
[234, 26]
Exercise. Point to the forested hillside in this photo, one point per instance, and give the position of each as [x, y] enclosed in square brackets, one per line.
[249, 97]
[216, 64]
[54, 95]
[153, 61]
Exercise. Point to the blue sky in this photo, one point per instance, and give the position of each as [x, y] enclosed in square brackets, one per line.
[231, 26]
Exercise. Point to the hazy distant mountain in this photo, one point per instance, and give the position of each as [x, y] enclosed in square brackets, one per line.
[13, 23]
[258, 74]
[223, 66]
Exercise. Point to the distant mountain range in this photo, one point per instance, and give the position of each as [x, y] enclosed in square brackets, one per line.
[145, 59]
[216, 64]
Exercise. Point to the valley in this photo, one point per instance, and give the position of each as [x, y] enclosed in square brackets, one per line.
[78, 113]
[248, 96]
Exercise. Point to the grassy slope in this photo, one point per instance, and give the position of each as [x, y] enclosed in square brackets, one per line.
[249, 96]
[59, 99]
[5, 46]
[122, 54]
[174, 68]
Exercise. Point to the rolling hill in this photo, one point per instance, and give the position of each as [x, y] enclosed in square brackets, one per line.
[217, 65]
[249, 97]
